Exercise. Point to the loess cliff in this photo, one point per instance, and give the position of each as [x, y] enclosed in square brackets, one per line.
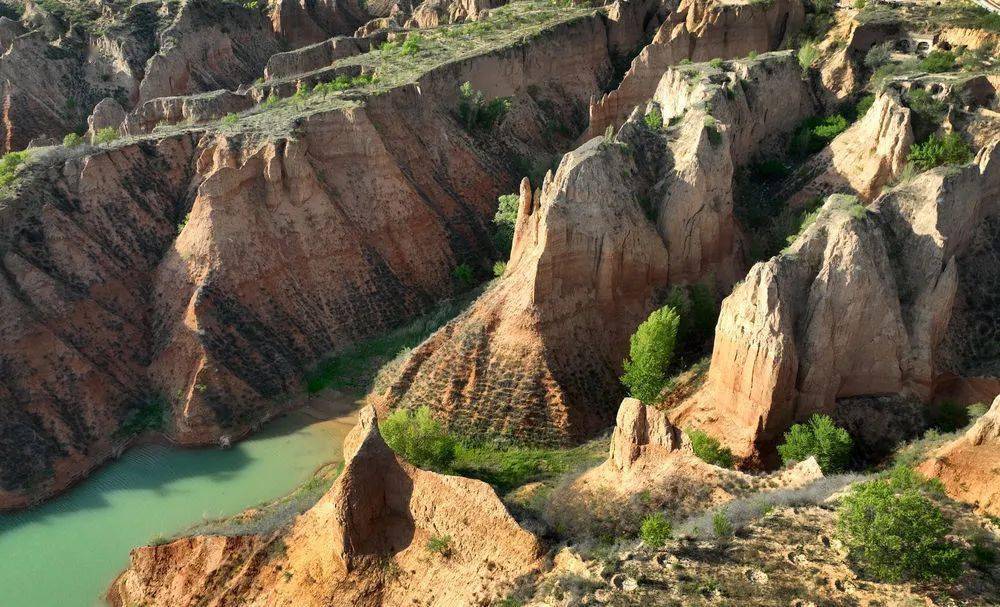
[199, 271]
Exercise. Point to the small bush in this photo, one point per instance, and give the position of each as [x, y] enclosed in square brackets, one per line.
[499, 268]
[820, 438]
[709, 450]
[977, 410]
[897, 535]
[948, 416]
[477, 113]
[419, 439]
[655, 530]
[270, 102]
[9, 163]
[864, 104]
[878, 55]
[721, 525]
[72, 140]
[504, 221]
[651, 349]
[716, 63]
[982, 556]
[815, 133]
[654, 119]
[412, 45]
[230, 119]
[937, 151]
[464, 276]
[439, 544]
[938, 61]
[106, 135]
[808, 54]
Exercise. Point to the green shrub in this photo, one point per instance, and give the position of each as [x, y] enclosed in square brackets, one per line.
[860, 4]
[439, 544]
[716, 63]
[499, 268]
[897, 535]
[977, 410]
[412, 44]
[928, 112]
[106, 135]
[864, 104]
[72, 140]
[938, 61]
[654, 119]
[821, 438]
[878, 55]
[655, 530]
[9, 164]
[651, 348]
[808, 54]
[150, 415]
[419, 439]
[698, 311]
[948, 416]
[936, 151]
[815, 133]
[902, 477]
[504, 222]
[721, 525]
[270, 102]
[806, 219]
[477, 113]
[709, 449]
[464, 276]
[230, 119]
[982, 556]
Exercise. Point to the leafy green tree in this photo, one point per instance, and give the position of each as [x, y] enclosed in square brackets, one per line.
[897, 535]
[505, 220]
[419, 438]
[650, 351]
[821, 438]
[71, 140]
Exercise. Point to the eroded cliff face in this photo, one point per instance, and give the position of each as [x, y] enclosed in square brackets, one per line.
[696, 31]
[207, 271]
[968, 467]
[538, 356]
[858, 306]
[364, 543]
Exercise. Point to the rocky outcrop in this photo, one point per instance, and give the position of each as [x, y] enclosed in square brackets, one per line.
[858, 306]
[209, 46]
[866, 157]
[208, 272]
[189, 109]
[537, 358]
[697, 31]
[107, 114]
[652, 458]
[315, 56]
[305, 22]
[969, 466]
[378, 518]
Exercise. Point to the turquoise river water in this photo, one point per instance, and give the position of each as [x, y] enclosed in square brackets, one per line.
[65, 552]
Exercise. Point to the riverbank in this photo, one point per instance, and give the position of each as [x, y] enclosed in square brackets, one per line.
[72, 546]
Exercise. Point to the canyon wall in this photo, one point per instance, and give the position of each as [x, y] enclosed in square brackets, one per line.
[697, 31]
[204, 273]
[858, 306]
[537, 357]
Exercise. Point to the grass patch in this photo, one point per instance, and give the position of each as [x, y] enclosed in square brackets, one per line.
[509, 467]
[355, 367]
